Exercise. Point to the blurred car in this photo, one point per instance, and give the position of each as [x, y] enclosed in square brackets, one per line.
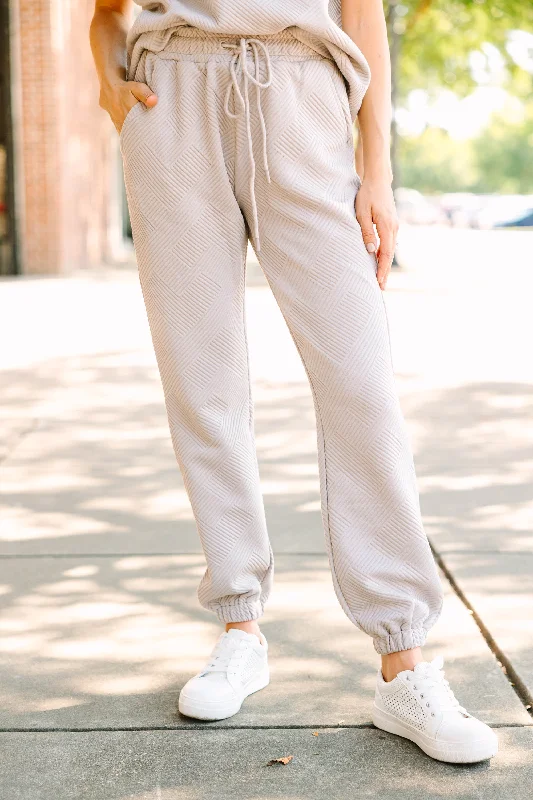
[415, 209]
[524, 220]
[501, 210]
[461, 208]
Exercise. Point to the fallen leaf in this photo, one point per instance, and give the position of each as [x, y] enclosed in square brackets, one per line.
[282, 760]
[315, 733]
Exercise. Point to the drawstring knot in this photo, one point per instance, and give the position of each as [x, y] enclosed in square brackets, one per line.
[241, 101]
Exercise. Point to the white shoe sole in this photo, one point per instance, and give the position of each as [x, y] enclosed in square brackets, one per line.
[221, 709]
[453, 753]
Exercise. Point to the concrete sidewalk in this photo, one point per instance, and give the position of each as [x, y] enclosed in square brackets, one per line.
[99, 558]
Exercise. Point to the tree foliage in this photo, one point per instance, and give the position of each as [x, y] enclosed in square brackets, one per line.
[438, 36]
[498, 160]
[435, 40]
[502, 155]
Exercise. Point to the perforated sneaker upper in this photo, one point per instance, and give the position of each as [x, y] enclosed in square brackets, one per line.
[420, 705]
[421, 697]
[405, 706]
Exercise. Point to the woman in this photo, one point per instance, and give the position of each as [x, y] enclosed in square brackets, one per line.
[235, 121]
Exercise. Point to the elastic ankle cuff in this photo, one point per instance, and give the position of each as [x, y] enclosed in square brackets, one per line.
[403, 640]
[239, 611]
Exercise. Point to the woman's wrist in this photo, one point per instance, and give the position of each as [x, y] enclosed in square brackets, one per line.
[110, 87]
[378, 173]
[110, 81]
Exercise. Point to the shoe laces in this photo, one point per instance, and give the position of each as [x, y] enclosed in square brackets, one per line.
[433, 688]
[226, 656]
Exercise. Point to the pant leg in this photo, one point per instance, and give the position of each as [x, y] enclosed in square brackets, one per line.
[190, 240]
[324, 281]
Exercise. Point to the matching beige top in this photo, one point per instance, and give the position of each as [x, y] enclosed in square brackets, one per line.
[317, 23]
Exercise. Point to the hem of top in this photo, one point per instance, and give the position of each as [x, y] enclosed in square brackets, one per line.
[181, 35]
[406, 639]
[183, 53]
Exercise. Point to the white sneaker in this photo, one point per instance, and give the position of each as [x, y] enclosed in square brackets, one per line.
[238, 666]
[419, 705]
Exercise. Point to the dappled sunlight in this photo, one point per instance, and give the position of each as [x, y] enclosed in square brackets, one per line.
[21, 526]
[81, 572]
[100, 558]
[111, 478]
[465, 483]
[285, 488]
[54, 703]
[124, 495]
[130, 626]
[104, 627]
[164, 505]
[111, 685]
[475, 466]
[129, 631]
[71, 586]
[500, 588]
[190, 566]
[312, 507]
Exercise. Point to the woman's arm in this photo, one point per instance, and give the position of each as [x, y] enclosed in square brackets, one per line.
[364, 22]
[109, 28]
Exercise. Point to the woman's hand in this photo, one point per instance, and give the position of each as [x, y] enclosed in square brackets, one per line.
[119, 98]
[374, 205]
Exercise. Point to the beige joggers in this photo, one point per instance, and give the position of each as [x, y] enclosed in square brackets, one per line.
[254, 137]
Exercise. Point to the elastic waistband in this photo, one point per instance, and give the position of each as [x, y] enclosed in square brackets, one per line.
[189, 41]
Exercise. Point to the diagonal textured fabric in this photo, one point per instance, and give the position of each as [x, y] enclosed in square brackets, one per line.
[317, 23]
[188, 168]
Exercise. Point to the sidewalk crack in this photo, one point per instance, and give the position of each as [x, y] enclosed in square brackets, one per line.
[516, 683]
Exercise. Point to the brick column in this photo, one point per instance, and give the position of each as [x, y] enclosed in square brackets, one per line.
[68, 146]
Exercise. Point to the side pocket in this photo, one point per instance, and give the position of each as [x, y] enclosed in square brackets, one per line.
[127, 121]
[143, 74]
[339, 88]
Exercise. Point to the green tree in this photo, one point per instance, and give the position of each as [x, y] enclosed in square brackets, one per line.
[438, 36]
[431, 46]
[498, 160]
[502, 155]
[434, 162]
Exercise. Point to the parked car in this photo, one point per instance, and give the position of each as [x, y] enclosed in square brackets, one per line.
[461, 208]
[524, 220]
[500, 209]
[416, 209]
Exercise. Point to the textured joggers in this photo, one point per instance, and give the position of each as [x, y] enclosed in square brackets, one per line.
[253, 137]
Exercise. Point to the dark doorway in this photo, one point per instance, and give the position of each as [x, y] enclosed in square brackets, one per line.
[8, 239]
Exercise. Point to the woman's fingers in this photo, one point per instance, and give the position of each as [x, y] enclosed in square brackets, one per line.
[143, 93]
[387, 229]
[137, 93]
[374, 205]
[364, 217]
[119, 98]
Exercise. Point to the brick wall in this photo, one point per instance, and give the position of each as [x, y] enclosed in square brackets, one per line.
[68, 146]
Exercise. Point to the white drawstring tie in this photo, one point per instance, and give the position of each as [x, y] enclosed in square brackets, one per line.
[242, 99]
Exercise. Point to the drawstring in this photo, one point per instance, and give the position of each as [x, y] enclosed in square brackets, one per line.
[242, 99]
